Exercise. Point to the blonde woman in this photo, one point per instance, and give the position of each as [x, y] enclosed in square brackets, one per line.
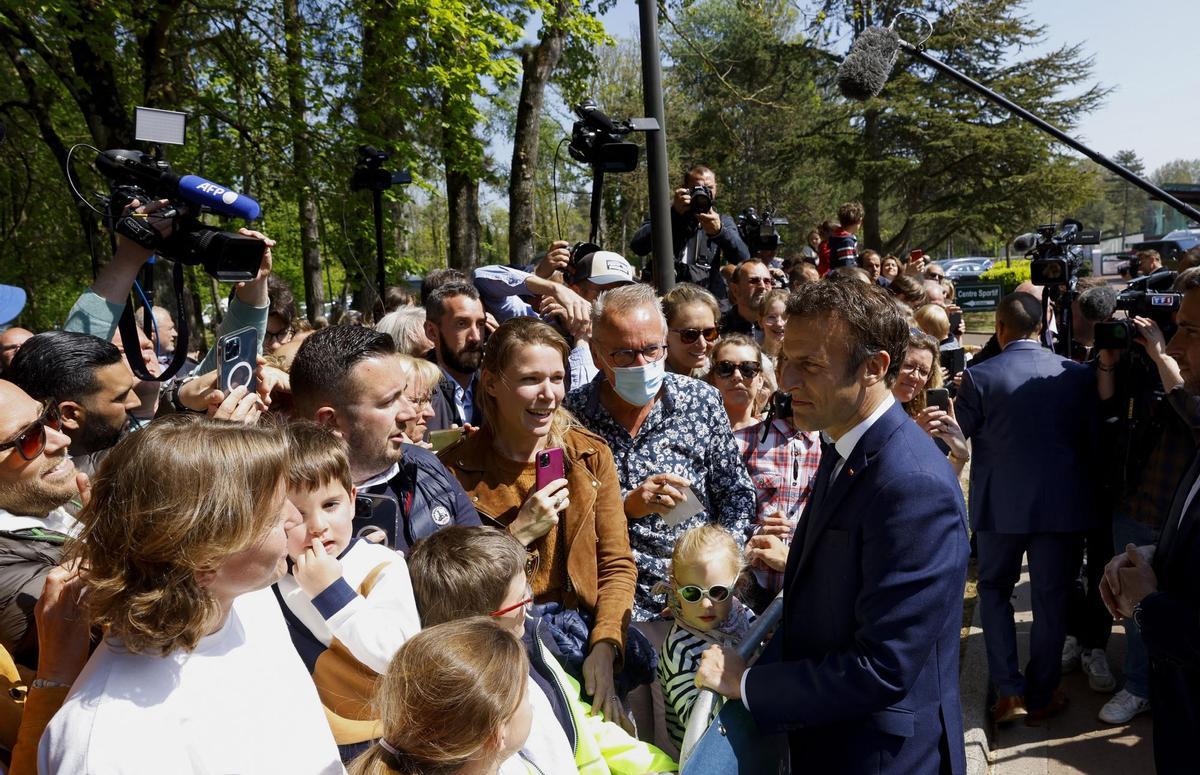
[692, 314]
[184, 533]
[740, 376]
[454, 701]
[421, 379]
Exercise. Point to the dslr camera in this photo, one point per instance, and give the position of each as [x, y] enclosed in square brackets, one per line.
[702, 198]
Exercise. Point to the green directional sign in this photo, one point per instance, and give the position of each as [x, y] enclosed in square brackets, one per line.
[978, 297]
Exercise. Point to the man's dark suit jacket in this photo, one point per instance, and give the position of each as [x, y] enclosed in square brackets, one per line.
[1032, 419]
[867, 674]
[1170, 625]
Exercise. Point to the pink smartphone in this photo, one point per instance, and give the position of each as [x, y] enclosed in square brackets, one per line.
[550, 466]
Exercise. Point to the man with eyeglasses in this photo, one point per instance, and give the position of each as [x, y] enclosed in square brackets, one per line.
[37, 478]
[750, 282]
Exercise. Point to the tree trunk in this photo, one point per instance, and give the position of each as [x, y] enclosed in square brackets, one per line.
[538, 63]
[462, 200]
[310, 237]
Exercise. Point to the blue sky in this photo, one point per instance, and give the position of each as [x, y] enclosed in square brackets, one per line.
[1146, 49]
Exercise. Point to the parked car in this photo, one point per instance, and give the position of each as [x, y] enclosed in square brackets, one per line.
[965, 269]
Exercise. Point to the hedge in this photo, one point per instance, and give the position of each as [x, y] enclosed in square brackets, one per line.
[1009, 276]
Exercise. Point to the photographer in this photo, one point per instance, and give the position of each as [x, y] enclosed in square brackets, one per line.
[701, 238]
[1143, 391]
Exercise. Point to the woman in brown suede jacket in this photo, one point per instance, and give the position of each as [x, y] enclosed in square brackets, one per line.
[573, 528]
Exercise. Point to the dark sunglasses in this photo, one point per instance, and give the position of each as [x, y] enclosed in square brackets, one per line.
[749, 369]
[30, 442]
[718, 593]
[690, 335]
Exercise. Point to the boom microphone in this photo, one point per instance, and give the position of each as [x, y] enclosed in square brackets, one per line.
[866, 68]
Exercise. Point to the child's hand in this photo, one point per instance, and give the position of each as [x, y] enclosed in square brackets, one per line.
[315, 569]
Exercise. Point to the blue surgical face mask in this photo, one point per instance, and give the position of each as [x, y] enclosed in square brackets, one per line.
[638, 385]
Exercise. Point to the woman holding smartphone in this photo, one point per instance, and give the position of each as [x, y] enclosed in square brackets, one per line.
[534, 470]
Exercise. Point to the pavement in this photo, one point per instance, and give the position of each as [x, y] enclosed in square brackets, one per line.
[1074, 742]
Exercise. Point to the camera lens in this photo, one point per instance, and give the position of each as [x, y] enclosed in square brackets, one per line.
[233, 348]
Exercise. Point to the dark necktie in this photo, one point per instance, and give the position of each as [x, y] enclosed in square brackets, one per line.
[829, 459]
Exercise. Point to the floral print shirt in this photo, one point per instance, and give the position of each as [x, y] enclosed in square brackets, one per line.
[687, 433]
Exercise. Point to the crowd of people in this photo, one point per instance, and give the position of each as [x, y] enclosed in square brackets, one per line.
[514, 521]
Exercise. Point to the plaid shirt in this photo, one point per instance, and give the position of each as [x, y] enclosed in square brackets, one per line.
[782, 467]
[1168, 461]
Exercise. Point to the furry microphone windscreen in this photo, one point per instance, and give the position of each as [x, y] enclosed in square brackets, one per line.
[1098, 304]
[865, 70]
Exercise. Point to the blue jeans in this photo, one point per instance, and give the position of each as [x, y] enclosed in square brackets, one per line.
[1137, 663]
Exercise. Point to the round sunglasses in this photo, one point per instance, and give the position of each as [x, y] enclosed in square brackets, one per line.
[718, 593]
[749, 369]
[30, 442]
[690, 335]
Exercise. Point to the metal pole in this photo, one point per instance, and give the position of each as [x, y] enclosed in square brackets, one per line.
[380, 268]
[656, 147]
[1053, 131]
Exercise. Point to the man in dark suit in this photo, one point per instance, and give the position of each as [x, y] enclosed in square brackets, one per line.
[863, 671]
[1158, 586]
[1031, 417]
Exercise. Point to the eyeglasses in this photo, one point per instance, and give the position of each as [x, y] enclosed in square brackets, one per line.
[749, 369]
[718, 593]
[509, 609]
[775, 320]
[690, 335]
[931, 275]
[30, 442]
[914, 370]
[283, 336]
[626, 358]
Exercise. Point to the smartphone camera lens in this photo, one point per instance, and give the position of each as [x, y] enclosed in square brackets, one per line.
[233, 348]
[545, 459]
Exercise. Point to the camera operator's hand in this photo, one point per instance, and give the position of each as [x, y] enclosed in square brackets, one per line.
[557, 260]
[682, 201]
[254, 293]
[1150, 336]
[710, 222]
[115, 280]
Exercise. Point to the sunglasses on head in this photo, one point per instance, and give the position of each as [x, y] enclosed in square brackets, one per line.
[30, 442]
[718, 593]
[749, 369]
[690, 335]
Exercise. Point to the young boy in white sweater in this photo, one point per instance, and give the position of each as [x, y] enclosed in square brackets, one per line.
[348, 602]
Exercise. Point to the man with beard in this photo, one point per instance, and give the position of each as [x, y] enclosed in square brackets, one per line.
[87, 381]
[351, 380]
[36, 479]
[455, 323]
[750, 282]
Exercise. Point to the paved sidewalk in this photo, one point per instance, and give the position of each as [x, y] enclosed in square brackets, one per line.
[1076, 741]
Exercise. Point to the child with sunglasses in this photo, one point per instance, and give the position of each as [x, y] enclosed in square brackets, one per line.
[705, 566]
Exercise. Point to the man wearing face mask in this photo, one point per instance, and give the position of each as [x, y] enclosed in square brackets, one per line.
[668, 434]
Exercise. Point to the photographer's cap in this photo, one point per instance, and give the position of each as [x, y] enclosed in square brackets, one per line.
[12, 301]
[603, 267]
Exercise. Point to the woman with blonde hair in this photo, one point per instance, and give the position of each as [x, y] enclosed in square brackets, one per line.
[772, 318]
[421, 379]
[184, 533]
[573, 526]
[692, 314]
[454, 701]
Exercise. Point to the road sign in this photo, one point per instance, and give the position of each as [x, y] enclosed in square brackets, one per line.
[978, 297]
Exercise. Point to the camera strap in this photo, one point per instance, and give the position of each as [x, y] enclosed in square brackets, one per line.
[133, 348]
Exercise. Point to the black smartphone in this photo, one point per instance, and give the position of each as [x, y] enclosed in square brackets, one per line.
[955, 321]
[939, 397]
[237, 358]
[377, 513]
[953, 361]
